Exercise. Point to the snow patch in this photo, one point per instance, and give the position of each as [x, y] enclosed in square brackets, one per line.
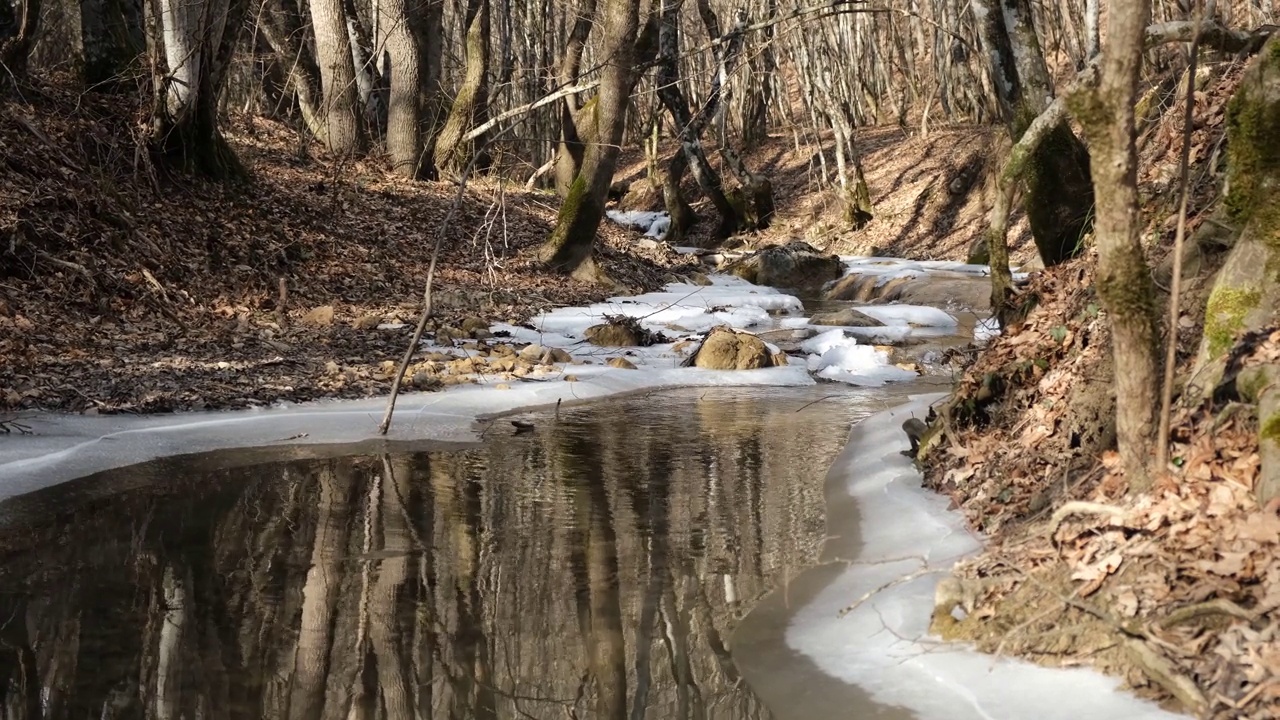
[653, 224]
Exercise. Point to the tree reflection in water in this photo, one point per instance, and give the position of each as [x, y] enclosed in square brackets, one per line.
[590, 569]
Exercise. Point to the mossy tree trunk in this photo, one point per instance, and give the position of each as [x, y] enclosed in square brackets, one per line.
[192, 44]
[572, 144]
[453, 153]
[1059, 192]
[568, 249]
[1123, 277]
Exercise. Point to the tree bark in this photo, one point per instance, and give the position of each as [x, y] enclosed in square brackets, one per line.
[568, 249]
[453, 154]
[404, 112]
[191, 46]
[1124, 280]
[1059, 196]
[281, 25]
[572, 144]
[337, 77]
[15, 45]
[111, 37]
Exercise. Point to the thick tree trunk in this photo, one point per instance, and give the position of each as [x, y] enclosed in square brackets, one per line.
[453, 153]
[1124, 280]
[1059, 196]
[404, 113]
[111, 36]
[432, 102]
[337, 77]
[192, 44]
[568, 250]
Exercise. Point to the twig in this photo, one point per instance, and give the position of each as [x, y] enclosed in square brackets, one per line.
[1175, 285]
[892, 583]
[385, 425]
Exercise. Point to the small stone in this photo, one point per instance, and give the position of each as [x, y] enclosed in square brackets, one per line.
[472, 324]
[780, 359]
[462, 366]
[532, 353]
[683, 345]
[560, 355]
[621, 363]
[502, 386]
[424, 380]
[366, 322]
[571, 378]
[457, 380]
[503, 349]
[332, 368]
[502, 364]
[319, 317]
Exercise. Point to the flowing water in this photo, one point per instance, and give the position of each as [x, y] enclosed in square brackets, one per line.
[594, 565]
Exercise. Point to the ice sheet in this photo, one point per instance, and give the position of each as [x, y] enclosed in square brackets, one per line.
[653, 224]
[889, 268]
[836, 356]
[882, 644]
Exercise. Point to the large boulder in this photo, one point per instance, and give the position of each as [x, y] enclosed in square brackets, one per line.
[726, 349]
[796, 265]
[939, 288]
[845, 318]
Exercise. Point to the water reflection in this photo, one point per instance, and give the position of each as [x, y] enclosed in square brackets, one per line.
[592, 568]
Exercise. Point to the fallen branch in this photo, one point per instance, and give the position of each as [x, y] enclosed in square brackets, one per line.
[1218, 606]
[1163, 674]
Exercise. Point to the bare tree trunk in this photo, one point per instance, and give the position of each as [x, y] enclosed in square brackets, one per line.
[191, 46]
[281, 24]
[432, 102]
[112, 38]
[572, 144]
[1124, 280]
[15, 47]
[568, 250]
[453, 153]
[404, 114]
[337, 77]
[688, 127]
[1059, 196]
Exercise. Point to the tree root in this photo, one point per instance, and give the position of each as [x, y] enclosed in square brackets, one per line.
[1079, 507]
[1163, 674]
[1218, 606]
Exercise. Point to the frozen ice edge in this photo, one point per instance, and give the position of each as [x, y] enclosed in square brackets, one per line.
[882, 646]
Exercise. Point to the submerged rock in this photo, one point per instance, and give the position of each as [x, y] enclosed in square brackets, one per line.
[796, 265]
[726, 349]
[846, 318]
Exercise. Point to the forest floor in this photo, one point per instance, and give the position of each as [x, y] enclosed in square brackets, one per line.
[1175, 589]
[125, 291]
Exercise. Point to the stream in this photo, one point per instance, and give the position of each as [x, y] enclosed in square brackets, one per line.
[596, 565]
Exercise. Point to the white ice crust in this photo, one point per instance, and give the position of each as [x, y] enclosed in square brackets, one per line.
[65, 447]
[882, 645]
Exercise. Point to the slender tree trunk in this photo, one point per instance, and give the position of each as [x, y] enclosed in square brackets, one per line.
[337, 77]
[568, 250]
[433, 99]
[1124, 280]
[452, 152]
[281, 25]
